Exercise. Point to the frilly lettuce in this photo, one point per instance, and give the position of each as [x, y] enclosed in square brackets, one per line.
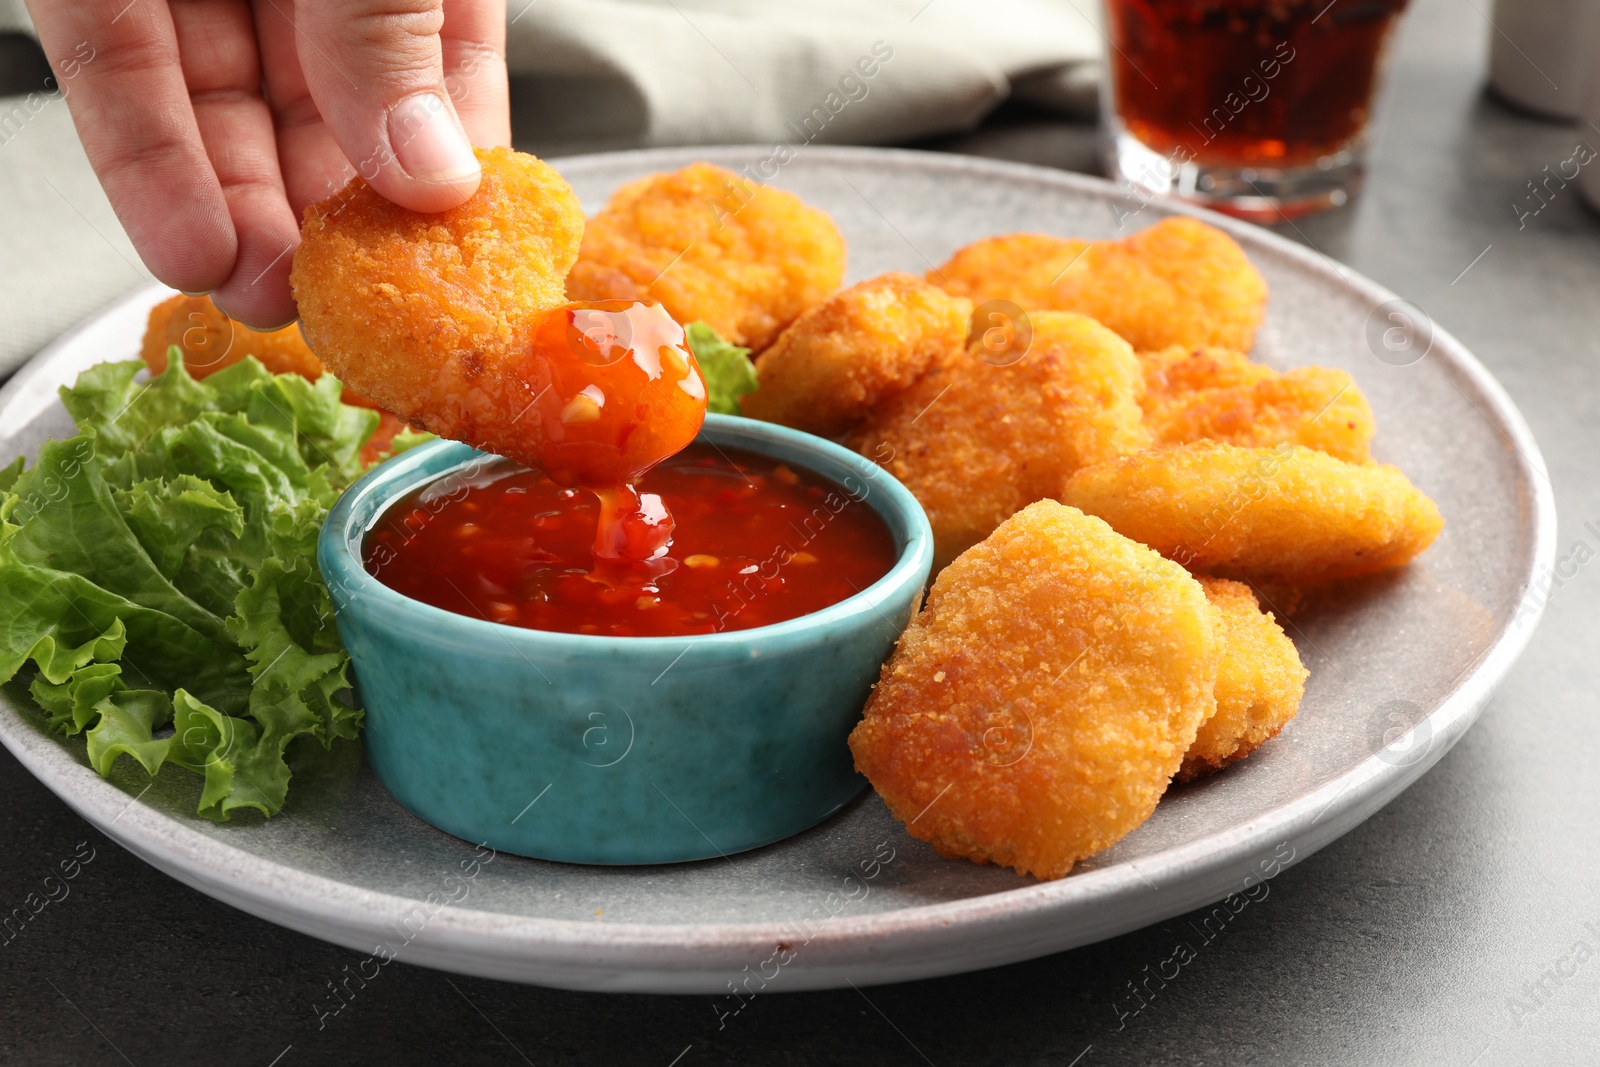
[726, 368]
[160, 573]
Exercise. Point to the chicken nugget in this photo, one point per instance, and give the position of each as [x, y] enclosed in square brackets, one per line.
[1034, 711]
[1176, 371]
[1285, 514]
[456, 322]
[1019, 267]
[1179, 282]
[1218, 395]
[1260, 681]
[712, 245]
[857, 348]
[976, 440]
[412, 309]
[211, 341]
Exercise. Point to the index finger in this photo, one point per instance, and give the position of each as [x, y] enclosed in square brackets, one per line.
[131, 107]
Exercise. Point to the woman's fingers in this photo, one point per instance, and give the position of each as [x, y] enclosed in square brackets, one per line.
[168, 104]
[474, 45]
[376, 72]
[132, 110]
[217, 46]
[473, 49]
[313, 165]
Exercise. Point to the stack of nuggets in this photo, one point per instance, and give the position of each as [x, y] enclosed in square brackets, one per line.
[1106, 411]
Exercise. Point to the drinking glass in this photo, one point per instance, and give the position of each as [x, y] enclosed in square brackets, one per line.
[1258, 108]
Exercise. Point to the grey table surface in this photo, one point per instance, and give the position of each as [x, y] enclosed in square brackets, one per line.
[1459, 925]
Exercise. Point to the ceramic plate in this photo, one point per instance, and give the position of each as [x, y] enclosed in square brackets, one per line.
[1400, 667]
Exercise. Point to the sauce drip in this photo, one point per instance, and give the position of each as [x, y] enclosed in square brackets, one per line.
[614, 390]
[754, 542]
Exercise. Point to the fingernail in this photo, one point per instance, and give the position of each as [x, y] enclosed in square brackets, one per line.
[428, 142]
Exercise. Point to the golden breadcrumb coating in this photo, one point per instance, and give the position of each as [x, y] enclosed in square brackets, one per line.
[1018, 267]
[211, 341]
[1218, 395]
[412, 309]
[1179, 282]
[855, 349]
[1259, 681]
[1035, 710]
[975, 440]
[1176, 371]
[712, 245]
[1283, 514]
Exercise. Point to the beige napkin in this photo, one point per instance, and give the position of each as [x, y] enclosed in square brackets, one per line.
[596, 74]
[603, 73]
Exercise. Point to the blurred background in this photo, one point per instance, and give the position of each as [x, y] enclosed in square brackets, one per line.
[1015, 79]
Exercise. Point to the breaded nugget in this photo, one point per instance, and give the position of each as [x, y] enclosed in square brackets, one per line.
[975, 441]
[1259, 681]
[855, 349]
[712, 245]
[1218, 395]
[1176, 371]
[1019, 267]
[1284, 514]
[411, 309]
[1034, 711]
[456, 322]
[1179, 282]
[211, 341]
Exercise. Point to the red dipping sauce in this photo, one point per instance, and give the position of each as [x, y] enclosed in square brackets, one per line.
[754, 542]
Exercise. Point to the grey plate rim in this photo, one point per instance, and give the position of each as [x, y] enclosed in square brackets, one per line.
[909, 943]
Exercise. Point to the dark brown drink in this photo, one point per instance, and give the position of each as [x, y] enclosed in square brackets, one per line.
[1270, 85]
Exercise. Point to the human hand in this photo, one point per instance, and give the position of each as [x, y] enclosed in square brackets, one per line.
[213, 123]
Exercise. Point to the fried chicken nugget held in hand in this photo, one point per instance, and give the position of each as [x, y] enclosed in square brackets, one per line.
[981, 436]
[1179, 282]
[401, 305]
[1034, 711]
[457, 322]
[210, 341]
[1260, 681]
[1286, 514]
[1214, 394]
[711, 245]
[855, 349]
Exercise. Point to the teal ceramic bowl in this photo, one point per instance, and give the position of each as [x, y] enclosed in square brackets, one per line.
[608, 749]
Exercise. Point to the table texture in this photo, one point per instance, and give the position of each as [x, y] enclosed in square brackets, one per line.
[1460, 925]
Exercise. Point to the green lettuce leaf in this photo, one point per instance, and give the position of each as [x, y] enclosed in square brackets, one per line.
[726, 368]
[10, 473]
[160, 573]
[407, 439]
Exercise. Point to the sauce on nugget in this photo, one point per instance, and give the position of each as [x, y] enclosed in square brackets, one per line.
[755, 542]
[614, 390]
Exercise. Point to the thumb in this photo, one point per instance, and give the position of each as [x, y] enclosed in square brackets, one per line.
[375, 71]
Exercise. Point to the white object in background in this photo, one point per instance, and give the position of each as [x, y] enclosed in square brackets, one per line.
[1543, 52]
